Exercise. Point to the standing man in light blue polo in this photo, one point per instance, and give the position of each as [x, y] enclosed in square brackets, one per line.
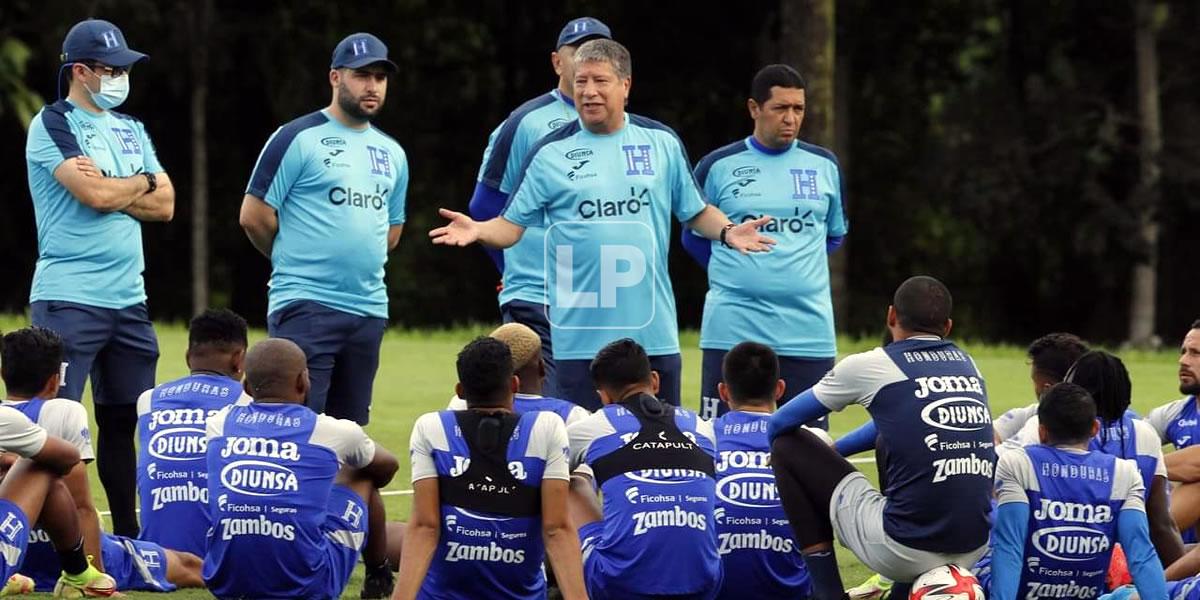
[606, 187]
[94, 176]
[523, 287]
[783, 299]
[326, 204]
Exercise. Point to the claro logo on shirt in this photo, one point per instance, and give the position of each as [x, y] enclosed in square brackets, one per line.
[351, 197]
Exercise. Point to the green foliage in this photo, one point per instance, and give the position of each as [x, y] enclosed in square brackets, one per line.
[17, 101]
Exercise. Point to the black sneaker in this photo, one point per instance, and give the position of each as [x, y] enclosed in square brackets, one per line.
[378, 582]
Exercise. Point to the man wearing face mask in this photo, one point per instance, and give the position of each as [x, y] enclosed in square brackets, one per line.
[94, 176]
[326, 204]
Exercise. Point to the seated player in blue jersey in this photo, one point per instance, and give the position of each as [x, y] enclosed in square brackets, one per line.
[290, 492]
[34, 467]
[1050, 356]
[655, 534]
[929, 411]
[31, 358]
[489, 493]
[172, 473]
[606, 188]
[1178, 424]
[760, 557]
[529, 366]
[32, 494]
[1124, 435]
[1062, 508]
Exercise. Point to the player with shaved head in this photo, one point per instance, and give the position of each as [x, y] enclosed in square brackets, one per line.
[930, 412]
[291, 488]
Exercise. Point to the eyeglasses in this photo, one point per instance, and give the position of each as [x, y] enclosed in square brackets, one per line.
[100, 69]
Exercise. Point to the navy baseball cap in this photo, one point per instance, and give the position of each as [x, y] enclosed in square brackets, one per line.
[584, 27]
[359, 50]
[100, 41]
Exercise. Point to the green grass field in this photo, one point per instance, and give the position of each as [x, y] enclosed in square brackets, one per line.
[416, 375]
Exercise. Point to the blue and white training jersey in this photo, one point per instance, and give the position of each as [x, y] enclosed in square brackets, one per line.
[758, 552]
[508, 146]
[607, 203]
[84, 255]
[337, 191]
[172, 471]
[1130, 438]
[271, 469]
[929, 402]
[782, 297]
[655, 473]
[1177, 423]
[569, 412]
[1074, 500]
[491, 545]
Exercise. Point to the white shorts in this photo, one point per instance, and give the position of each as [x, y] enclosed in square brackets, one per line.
[857, 515]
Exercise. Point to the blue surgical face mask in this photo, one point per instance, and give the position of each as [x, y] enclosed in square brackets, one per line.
[114, 89]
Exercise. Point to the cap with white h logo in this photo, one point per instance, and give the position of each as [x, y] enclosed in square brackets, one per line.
[358, 50]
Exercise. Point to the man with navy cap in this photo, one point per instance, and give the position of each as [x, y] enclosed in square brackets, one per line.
[94, 176]
[325, 203]
[522, 292]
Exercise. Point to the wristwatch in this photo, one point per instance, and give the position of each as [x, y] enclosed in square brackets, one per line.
[725, 230]
[152, 181]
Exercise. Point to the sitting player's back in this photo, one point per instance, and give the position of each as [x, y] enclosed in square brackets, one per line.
[491, 545]
[654, 466]
[655, 473]
[759, 555]
[271, 471]
[172, 474]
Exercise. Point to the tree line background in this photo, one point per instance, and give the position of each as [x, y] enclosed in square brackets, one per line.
[1040, 156]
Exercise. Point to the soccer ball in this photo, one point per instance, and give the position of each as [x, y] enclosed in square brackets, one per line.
[947, 582]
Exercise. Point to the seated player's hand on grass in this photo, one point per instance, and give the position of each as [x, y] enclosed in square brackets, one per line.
[462, 230]
[745, 238]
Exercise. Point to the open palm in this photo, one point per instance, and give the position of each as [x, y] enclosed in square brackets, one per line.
[745, 238]
[460, 231]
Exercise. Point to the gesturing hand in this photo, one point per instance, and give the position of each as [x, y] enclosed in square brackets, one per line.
[745, 238]
[460, 231]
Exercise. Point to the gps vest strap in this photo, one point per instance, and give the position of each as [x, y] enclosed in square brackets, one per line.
[659, 444]
[487, 485]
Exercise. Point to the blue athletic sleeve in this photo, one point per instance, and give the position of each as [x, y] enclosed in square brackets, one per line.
[699, 248]
[833, 242]
[278, 167]
[399, 197]
[150, 162]
[50, 141]
[486, 203]
[526, 205]
[687, 200]
[1008, 548]
[1133, 531]
[799, 410]
[860, 440]
[835, 218]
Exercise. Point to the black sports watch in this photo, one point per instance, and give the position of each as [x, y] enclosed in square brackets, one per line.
[725, 230]
[151, 180]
